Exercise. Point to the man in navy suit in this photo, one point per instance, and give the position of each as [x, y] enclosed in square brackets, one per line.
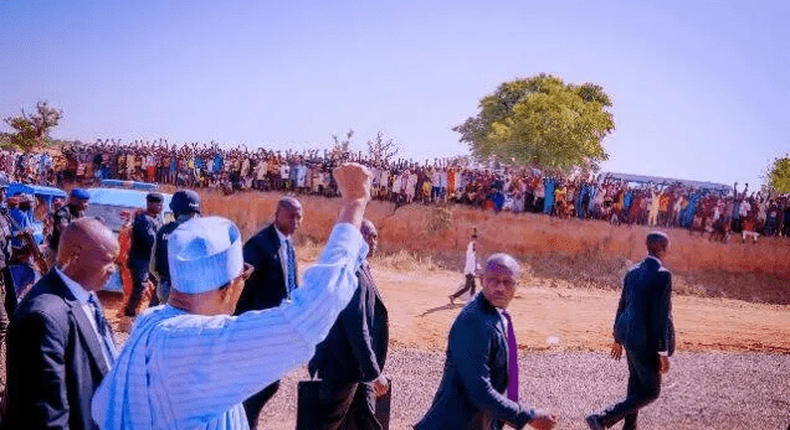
[643, 326]
[479, 387]
[351, 358]
[270, 252]
[59, 343]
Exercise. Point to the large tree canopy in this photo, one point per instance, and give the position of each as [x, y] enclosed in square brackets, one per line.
[541, 121]
[778, 176]
[32, 131]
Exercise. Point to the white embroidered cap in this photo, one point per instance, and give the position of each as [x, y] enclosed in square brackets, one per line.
[204, 254]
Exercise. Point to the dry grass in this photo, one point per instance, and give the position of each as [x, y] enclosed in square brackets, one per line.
[588, 254]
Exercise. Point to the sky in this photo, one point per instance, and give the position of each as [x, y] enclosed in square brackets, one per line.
[700, 89]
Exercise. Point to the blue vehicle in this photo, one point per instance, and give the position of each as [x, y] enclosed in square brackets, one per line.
[47, 194]
[116, 207]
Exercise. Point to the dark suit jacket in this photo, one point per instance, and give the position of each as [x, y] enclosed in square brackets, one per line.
[356, 347]
[471, 394]
[54, 361]
[266, 287]
[643, 323]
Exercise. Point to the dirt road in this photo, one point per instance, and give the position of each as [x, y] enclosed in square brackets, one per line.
[576, 319]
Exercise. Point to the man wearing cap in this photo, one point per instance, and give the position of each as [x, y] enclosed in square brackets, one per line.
[60, 345]
[274, 278]
[190, 364]
[185, 205]
[74, 208]
[144, 229]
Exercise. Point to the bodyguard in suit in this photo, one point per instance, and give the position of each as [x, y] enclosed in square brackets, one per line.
[270, 252]
[479, 387]
[59, 343]
[350, 360]
[643, 326]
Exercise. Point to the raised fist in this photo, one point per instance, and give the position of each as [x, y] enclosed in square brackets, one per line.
[353, 181]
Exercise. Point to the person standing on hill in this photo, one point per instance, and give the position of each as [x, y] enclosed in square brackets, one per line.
[470, 269]
[274, 278]
[643, 326]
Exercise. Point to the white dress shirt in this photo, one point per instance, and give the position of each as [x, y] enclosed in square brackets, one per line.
[283, 253]
[82, 295]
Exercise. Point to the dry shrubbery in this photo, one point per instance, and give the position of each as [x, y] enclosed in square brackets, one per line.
[589, 254]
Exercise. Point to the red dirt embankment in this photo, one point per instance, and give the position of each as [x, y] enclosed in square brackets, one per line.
[586, 253]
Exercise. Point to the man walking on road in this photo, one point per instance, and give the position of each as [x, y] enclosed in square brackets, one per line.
[470, 269]
[643, 326]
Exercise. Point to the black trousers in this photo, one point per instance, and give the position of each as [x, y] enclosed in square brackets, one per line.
[644, 386]
[470, 285]
[346, 406]
[253, 405]
[140, 276]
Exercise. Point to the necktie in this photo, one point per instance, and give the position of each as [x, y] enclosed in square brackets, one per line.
[104, 330]
[512, 360]
[291, 266]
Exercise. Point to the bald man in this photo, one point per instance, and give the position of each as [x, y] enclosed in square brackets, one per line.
[59, 343]
[273, 280]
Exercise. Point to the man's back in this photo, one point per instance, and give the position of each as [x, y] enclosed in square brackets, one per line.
[643, 322]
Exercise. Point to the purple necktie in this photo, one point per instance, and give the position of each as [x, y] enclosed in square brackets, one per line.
[512, 360]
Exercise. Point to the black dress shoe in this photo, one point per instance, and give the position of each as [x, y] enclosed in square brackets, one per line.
[594, 421]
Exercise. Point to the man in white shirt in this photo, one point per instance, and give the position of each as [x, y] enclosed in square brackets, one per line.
[470, 270]
[190, 364]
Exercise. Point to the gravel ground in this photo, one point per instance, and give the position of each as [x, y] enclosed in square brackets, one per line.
[701, 391]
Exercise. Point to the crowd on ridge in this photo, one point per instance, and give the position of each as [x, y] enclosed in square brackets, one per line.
[494, 186]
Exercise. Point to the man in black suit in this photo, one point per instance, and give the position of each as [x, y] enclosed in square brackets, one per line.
[59, 343]
[643, 325]
[350, 360]
[479, 387]
[271, 254]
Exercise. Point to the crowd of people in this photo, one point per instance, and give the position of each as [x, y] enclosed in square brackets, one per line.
[718, 212]
[236, 316]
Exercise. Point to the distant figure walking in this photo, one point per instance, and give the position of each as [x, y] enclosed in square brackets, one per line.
[470, 269]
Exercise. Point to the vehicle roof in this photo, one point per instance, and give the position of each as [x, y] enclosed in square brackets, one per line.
[124, 198]
[40, 190]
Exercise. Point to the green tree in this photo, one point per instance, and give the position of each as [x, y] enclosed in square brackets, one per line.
[32, 131]
[541, 121]
[778, 176]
